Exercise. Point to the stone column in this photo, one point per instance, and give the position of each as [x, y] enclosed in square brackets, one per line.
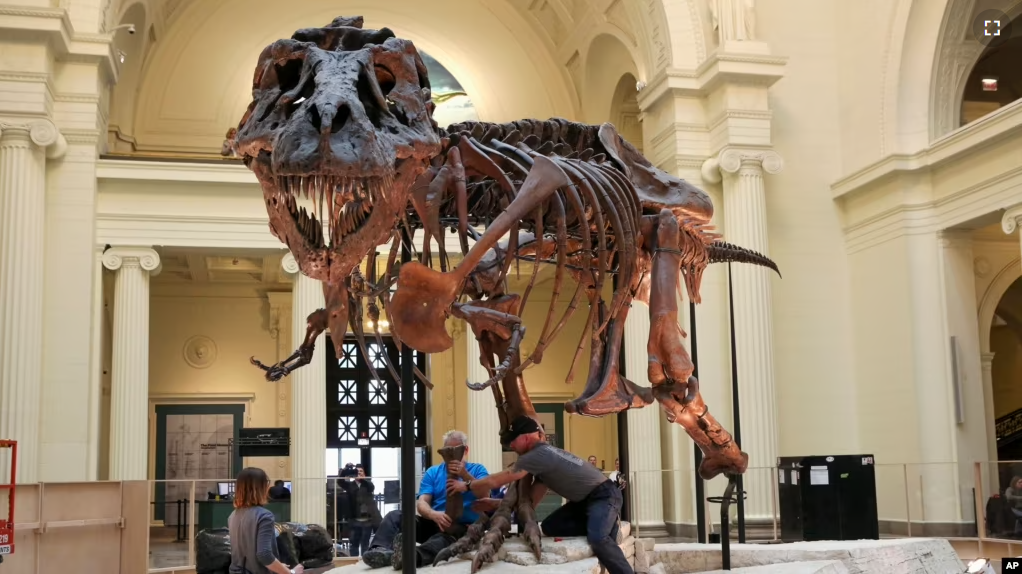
[646, 484]
[441, 372]
[280, 331]
[987, 366]
[483, 422]
[745, 224]
[96, 366]
[129, 392]
[23, 153]
[308, 415]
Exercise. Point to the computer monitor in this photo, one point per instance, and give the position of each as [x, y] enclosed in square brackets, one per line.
[224, 488]
[287, 485]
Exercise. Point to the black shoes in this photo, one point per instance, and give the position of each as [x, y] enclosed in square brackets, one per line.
[377, 557]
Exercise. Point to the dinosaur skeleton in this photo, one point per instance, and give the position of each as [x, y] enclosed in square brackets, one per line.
[342, 116]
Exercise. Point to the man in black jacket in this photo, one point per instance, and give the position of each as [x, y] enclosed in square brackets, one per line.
[279, 492]
[365, 514]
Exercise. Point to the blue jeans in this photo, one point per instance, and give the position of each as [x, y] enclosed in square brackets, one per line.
[359, 537]
[596, 517]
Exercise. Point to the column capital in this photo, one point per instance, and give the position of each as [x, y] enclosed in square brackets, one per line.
[290, 264]
[732, 159]
[144, 257]
[42, 132]
[1012, 219]
[986, 360]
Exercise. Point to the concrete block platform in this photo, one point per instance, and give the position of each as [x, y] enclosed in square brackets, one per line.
[814, 567]
[560, 555]
[574, 556]
[895, 556]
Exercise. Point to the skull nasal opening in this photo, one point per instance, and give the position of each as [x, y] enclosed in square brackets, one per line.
[337, 117]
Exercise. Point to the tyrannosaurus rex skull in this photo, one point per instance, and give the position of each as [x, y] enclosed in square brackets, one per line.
[343, 116]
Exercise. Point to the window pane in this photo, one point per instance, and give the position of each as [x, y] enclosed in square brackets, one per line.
[331, 461]
[385, 462]
[346, 392]
[347, 361]
[377, 392]
[352, 455]
[346, 428]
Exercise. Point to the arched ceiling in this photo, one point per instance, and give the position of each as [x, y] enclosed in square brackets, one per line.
[515, 59]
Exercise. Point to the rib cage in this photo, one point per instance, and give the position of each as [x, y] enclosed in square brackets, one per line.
[590, 229]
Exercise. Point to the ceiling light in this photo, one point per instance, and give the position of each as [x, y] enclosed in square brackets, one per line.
[121, 55]
[989, 83]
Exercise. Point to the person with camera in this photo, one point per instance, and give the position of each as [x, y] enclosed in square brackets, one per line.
[365, 513]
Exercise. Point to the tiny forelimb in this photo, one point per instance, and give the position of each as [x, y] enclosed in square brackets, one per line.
[316, 324]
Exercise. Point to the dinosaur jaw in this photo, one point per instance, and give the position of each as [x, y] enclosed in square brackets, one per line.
[331, 222]
[342, 207]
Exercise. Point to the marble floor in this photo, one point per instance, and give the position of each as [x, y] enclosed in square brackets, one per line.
[164, 550]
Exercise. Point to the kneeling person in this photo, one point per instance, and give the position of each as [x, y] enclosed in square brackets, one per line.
[594, 502]
[434, 530]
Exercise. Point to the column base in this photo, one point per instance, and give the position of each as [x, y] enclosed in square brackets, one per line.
[651, 530]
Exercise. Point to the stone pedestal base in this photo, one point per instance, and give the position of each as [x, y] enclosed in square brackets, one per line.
[912, 555]
[559, 556]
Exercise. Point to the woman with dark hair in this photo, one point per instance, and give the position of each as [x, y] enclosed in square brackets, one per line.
[253, 540]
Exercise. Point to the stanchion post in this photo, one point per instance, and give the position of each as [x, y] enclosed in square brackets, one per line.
[407, 440]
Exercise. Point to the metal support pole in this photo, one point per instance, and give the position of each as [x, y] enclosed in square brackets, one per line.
[735, 405]
[407, 440]
[725, 505]
[698, 454]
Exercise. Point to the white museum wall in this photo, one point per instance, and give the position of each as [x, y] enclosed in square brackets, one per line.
[238, 325]
[814, 363]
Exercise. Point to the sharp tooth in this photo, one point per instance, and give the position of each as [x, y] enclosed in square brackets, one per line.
[330, 197]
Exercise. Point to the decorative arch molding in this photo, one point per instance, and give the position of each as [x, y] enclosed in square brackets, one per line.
[684, 23]
[114, 12]
[992, 297]
[635, 52]
[607, 60]
[955, 55]
[500, 61]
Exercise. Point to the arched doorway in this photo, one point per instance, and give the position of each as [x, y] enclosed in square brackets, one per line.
[996, 79]
[1006, 371]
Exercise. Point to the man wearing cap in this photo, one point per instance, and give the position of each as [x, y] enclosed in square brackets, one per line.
[594, 502]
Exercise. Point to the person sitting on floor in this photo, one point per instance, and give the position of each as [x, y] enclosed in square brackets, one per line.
[594, 502]
[434, 530]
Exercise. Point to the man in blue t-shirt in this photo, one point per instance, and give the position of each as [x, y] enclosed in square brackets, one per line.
[434, 530]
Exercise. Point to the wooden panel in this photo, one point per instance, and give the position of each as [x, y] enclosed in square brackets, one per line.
[135, 535]
[92, 547]
[26, 517]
